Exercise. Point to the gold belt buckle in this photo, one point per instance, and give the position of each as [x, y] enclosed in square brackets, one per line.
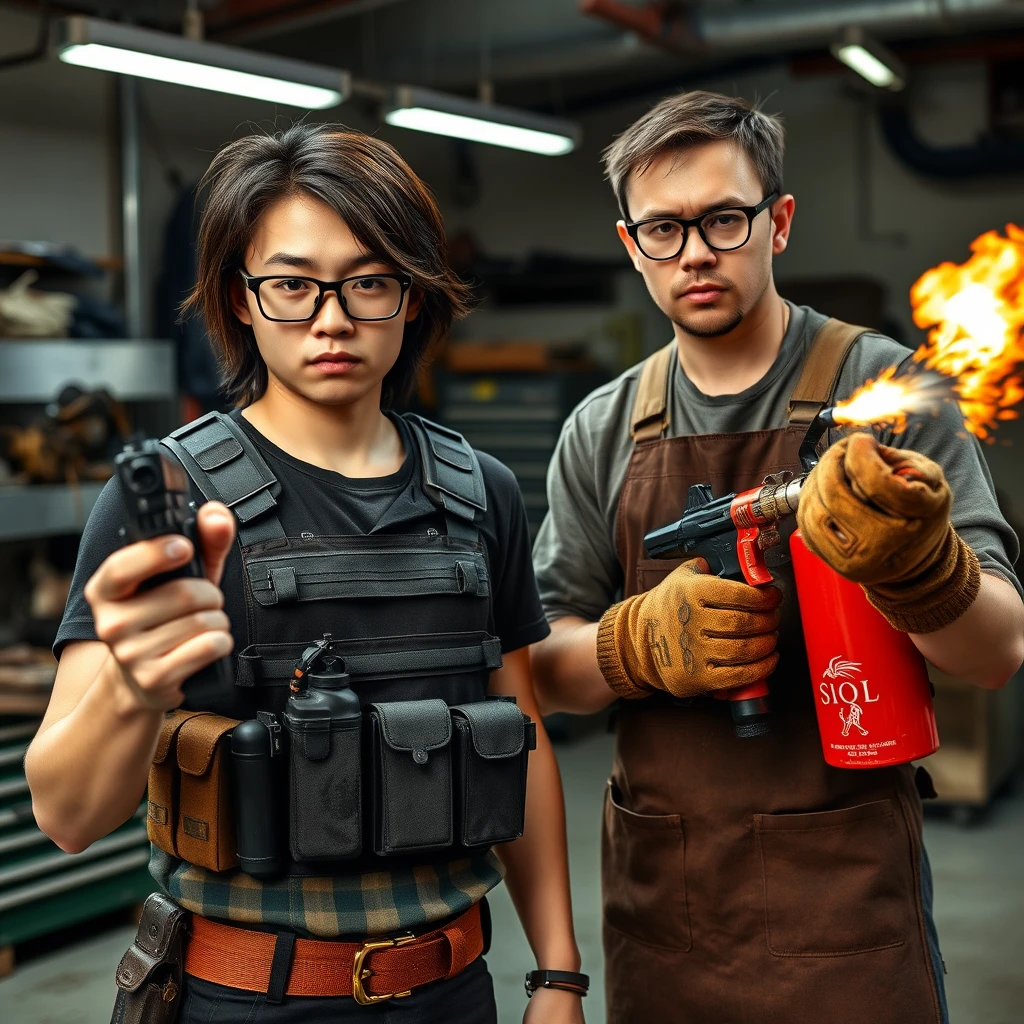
[360, 972]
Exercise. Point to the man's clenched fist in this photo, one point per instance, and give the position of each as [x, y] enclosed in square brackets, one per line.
[880, 517]
[690, 634]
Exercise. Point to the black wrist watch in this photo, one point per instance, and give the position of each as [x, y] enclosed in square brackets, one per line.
[568, 981]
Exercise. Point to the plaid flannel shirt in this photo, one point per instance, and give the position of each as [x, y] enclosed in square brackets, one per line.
[375, 903]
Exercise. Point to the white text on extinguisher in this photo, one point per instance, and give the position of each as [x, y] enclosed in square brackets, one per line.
[846, 692]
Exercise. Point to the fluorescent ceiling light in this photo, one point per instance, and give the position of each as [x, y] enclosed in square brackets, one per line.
[870, 59]
[126, 50]
[441, 114]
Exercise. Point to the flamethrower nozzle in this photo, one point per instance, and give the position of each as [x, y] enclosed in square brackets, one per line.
[825, 420]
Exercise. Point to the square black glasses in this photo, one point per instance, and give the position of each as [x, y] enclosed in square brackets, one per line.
[664, 238]
[290, 299]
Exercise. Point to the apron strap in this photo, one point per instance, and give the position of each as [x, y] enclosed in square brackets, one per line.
[828, 351]
[650, 417]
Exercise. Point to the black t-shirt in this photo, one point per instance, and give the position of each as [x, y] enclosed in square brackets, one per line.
[325, 503]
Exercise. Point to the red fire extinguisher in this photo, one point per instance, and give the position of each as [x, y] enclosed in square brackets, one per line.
[871, 687]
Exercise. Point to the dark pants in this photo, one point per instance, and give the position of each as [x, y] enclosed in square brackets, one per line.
[467, 998]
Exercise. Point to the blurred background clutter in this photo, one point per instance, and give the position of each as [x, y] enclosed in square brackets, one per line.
[895, 168]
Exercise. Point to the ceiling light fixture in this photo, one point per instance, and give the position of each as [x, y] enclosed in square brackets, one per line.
[425, 110]
[127, 50]
[870, 59]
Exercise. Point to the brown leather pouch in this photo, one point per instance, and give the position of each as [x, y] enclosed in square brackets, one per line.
[205, 833]
[149, 975]
[162, 817]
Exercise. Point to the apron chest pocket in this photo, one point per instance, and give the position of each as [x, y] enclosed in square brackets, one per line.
[835, 882]
[412, 776]
[492, 743]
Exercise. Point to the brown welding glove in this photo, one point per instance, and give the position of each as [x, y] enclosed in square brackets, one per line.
[880, 517]
[689, 634]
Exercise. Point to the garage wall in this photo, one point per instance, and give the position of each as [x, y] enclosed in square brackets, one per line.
[57, 127]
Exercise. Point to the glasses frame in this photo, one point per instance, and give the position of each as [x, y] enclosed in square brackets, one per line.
[633, 227]
[253, 285]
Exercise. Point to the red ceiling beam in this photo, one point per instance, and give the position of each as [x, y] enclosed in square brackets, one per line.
[662, 23]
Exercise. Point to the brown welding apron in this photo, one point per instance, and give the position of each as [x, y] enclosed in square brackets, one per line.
[744, 880]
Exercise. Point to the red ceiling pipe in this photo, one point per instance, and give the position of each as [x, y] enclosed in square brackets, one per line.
[663, 24]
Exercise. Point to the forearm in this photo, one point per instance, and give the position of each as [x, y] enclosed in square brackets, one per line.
[87, 772]
[985, 645]
[537, 866]
[565, 669]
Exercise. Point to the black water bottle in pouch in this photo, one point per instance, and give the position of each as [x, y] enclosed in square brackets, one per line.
[255, 750]
[324, 724]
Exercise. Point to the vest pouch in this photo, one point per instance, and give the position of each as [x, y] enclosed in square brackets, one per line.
[205, 833]
[493, 740]
[163, 790]
[325, 816]
[412, 776]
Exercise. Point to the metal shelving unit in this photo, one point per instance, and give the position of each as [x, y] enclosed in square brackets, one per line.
[45, 510]
[34, 371]
[516, 417]
[42, 888]
[37, 877]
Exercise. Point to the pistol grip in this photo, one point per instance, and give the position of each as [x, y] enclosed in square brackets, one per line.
[751, 557]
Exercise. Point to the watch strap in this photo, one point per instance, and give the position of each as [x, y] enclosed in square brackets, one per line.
[568, 981]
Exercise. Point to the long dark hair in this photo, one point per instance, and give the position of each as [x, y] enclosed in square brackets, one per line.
[391, 212]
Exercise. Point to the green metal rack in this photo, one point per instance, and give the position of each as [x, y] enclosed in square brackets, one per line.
[42, 888]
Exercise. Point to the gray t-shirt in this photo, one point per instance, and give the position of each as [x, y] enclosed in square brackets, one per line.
[574, 554]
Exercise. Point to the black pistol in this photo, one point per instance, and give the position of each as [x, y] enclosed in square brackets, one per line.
[156, 503]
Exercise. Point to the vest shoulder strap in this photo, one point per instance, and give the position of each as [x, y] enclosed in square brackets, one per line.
[226, 466]
[829, 349]
[451, 474]
[650, 417]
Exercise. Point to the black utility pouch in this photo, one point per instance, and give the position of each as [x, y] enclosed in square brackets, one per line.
[493, 740]
[150, 973]
[412, 776]
[325, 789]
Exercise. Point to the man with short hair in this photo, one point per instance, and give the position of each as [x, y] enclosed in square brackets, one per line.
[745, 880]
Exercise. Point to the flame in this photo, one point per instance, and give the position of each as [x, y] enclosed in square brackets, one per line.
[975, 315]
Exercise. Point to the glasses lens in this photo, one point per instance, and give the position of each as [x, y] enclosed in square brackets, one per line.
[288, 298]
[726, 229]
[372, 298]
[660, 239]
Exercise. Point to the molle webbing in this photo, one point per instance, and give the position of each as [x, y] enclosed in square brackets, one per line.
[452, 477]
[226, 467]
[269, 663]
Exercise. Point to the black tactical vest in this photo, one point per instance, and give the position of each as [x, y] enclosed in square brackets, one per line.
[410, 616]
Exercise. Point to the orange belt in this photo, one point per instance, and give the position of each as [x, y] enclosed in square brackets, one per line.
[370, 971]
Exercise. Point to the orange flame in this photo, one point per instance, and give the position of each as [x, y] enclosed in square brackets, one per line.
[975, 312]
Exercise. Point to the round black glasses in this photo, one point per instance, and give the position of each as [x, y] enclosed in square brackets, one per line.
[291, 300]
[664, 238]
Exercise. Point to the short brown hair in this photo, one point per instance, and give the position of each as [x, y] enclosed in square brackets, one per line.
[691, 119]
[391, 212]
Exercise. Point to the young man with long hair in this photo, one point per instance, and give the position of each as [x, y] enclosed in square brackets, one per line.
[324, 281]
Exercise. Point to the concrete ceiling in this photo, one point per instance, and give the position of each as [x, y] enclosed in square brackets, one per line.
[547, 53]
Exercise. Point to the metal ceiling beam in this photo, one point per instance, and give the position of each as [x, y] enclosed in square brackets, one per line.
[685, 28]
[244, 20]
